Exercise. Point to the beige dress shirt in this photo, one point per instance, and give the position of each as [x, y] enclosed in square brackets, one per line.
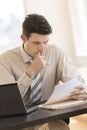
[13, 64]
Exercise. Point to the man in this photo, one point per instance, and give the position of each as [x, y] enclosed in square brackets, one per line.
[36, 57]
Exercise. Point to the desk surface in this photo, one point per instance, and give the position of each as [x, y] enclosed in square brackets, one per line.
[40, 116]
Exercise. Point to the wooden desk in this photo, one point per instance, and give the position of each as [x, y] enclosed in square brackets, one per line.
[40, 116]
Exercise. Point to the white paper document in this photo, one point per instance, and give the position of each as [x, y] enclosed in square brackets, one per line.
[62, 105]
[62, 92]
[60, 95]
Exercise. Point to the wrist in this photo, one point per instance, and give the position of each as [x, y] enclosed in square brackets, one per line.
[30, 72]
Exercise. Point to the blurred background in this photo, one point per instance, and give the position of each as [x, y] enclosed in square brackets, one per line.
[68, 19]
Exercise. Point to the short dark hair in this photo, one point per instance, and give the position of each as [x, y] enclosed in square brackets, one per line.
[35, 23]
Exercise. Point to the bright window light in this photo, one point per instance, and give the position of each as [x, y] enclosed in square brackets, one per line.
[79, 20]
[11, 17]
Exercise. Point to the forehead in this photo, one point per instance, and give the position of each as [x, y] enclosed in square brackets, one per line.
[39, 37]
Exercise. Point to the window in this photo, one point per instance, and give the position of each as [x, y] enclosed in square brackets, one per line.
[79, 20]
[11, 17]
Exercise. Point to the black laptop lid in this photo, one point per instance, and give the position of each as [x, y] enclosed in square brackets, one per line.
[11, 102]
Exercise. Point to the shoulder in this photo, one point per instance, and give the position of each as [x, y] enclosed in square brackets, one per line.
[14, 51]
[52, 48]
[58, 52]
[10, 54]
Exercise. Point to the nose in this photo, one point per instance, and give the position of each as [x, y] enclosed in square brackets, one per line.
[41, 48]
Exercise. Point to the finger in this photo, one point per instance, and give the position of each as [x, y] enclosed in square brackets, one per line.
[78, 97]
[78, 92]
[43, 59]
[80, 87]
[40, 55]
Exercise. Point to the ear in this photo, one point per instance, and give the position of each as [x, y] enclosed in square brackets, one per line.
[24, 38]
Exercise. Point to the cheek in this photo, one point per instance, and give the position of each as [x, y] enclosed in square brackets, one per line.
[29, 47]
[33, 50]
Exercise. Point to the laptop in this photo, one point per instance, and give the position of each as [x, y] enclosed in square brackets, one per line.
[11, 102]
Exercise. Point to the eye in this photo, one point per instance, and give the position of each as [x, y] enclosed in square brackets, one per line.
[36, 43]
[45, 42]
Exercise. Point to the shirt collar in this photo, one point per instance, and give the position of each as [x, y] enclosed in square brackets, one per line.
[25, 56]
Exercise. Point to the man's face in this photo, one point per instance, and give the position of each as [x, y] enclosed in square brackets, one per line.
[36, 43]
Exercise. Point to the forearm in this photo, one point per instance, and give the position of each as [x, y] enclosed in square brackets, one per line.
[23, 83]
[8, 77]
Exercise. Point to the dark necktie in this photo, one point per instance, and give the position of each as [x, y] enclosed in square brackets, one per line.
[35, 89]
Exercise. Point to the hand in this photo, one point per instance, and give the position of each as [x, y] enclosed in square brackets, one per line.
[79, 93]
[37, 65]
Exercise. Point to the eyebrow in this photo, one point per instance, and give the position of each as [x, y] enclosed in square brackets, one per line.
[40, 42]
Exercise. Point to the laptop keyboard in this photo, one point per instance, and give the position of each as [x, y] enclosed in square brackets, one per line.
[33, 107]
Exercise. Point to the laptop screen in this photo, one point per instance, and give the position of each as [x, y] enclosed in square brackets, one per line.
[11, 102]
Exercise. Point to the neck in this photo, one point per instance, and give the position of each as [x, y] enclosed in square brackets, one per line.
[27, 52]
